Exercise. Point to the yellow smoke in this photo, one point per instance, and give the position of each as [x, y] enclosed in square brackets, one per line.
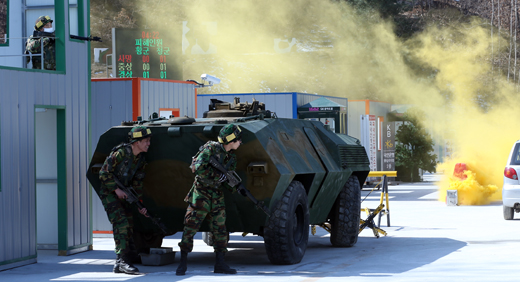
[473, 190]
[339, 53]
[480, 138]
[336, 52]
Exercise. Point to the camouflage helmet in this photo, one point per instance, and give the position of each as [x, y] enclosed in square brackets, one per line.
[139, 132]
[42, 21]
[229, 133]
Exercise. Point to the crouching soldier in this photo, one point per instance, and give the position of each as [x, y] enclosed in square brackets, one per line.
[127, 163]
[206, 197]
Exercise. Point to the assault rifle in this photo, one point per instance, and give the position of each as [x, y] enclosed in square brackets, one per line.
[132, 197]
[234, 180]
[89, 38]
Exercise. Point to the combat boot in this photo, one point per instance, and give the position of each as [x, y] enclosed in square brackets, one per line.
[126, 266]
[221, 266]
[116, 265]
[183, 266]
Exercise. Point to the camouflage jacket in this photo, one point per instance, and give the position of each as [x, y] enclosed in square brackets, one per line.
[33, 46]
[206, 174]
[129, 169]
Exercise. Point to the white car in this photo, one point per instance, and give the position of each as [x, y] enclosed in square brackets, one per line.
[511, 188]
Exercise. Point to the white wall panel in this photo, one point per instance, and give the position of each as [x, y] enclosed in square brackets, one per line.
[166, 94]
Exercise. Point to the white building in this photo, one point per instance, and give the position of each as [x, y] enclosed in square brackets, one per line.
[44, 131]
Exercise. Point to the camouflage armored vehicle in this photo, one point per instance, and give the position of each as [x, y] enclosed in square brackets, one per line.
[301, 171]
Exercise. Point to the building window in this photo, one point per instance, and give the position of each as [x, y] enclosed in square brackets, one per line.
[73, 17]
[0, 152]
[3, 22]
[35, 9]
[76, 16]
[13, 55]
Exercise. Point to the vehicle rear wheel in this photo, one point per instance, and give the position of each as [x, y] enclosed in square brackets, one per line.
[346, 214]
[508, 212]
[287, 233]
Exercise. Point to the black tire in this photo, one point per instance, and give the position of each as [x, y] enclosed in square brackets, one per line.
[508, 213]
[345, 215]
[144, 241]
[287, 233]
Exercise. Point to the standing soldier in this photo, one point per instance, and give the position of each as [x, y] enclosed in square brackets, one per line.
[206, 197]
[33, 45]
[126, 162]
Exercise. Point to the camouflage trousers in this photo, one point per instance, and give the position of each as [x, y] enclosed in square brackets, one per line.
[120, 215]
[49, 59]
[206, 203]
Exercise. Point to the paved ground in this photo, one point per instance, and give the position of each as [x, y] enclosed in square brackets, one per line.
[427, 241]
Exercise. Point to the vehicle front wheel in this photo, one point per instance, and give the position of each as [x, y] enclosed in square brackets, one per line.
[287, 233]
[345, 215]
[508, 212]
[144, 241]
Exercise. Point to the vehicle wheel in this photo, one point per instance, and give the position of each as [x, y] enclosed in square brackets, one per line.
[346, 214]
[508, 212]
[287, 232]
[144, 241]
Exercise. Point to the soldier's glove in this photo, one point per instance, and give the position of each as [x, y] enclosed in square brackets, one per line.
[222, 178]
[242, 192]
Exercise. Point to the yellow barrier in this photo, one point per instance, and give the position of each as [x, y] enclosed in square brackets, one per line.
[382, 173]
[381, 210]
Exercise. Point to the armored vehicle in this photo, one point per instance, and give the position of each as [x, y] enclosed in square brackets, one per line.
[301, 171]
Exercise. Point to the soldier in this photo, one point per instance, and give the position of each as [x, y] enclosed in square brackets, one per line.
[126, 163]
[33, 44]
[206, 198]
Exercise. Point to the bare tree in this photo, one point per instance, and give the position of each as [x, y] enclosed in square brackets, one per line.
[492, 23]
[515, 31]
[499, 25]
[510, 39]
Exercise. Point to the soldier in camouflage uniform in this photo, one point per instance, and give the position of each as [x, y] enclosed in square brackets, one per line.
[127, 163]
[34, 43]
[206, 198]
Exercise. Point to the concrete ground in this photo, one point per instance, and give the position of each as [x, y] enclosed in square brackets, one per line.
[427, 241]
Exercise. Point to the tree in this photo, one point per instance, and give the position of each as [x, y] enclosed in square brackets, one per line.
[414, 147]
[105, 15]
[386, 8]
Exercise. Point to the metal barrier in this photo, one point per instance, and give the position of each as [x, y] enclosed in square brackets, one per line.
[30, 55]
[371, 213]
[380, 210]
